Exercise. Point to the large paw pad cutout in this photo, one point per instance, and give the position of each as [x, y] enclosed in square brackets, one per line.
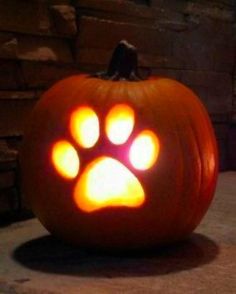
[105, 181]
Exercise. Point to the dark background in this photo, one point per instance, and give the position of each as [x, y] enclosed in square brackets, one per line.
[43, 41]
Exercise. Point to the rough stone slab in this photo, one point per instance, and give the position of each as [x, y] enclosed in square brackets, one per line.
[221, 131]
[171, 14]
[25, 17]
[159, 61]
[222, 136]
[210, 9]
[224, 163]
[100, 57]
[11, 75]
[232, 147]
[234, 84]
[189, 49]
[214, 88]
[14, 114]
[136, 11]
[221, 82]
[216, 9]
[209, 47]
[64, 19]
[35, 18]
[112, 6]
[228, 3]
[94, 32]
[42, 75]
[220, 117]
[17, 95]
[34, 262]
[60, 2]
[7, 179]
[8, 156]
[44, 49]
[23, 47]
[8, 45]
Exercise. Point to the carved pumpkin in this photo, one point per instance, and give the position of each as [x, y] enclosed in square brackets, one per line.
[113, 161]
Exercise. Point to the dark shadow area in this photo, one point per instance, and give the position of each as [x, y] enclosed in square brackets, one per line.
[48, 254]
[9, 218]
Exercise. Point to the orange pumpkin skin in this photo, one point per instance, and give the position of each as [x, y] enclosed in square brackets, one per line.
[178, 188]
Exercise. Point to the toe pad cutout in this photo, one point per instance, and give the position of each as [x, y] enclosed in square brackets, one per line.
[119, 123]
[84, 126]
[65, 159]
[144, 150]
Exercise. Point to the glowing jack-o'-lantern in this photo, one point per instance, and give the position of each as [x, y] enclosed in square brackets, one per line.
[114, 161]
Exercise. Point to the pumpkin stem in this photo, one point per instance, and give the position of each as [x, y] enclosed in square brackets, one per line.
[123, 64]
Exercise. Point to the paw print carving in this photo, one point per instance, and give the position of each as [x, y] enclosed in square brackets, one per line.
[105, 181]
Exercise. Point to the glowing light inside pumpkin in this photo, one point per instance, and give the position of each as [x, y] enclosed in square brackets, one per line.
[84, 126]
[119, 123]
[65, 159]
[144, 150]
[106, 182]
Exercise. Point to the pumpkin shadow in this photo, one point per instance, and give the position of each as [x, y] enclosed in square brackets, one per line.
[48, 254]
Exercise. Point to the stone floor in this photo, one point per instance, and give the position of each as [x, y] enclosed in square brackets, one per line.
[31, 261]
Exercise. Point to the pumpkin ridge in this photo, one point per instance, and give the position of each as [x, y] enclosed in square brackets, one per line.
[198, 202]
[174, 224]
[181, 108]
[197, 215]
[191, 130]
[156, 93]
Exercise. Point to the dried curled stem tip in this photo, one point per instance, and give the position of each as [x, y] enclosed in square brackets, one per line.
[123, 64]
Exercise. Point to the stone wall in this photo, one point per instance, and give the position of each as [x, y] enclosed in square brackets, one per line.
[43, 41]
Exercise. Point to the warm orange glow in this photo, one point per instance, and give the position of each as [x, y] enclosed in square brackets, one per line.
[119, 123]
[106, 182]
[84, 126]
[144, 150]
[65, 159]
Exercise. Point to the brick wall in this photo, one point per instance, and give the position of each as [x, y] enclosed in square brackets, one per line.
[43, 41]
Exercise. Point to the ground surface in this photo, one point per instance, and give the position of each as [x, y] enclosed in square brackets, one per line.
[31, 261]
